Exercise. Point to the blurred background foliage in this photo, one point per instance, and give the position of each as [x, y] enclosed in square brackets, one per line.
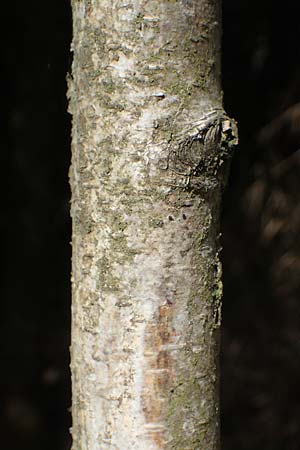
[260, 367]
[260, 364]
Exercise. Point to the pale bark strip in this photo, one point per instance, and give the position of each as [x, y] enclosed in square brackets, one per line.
[146, 183]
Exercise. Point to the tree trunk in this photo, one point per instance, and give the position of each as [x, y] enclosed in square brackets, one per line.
[150, 150]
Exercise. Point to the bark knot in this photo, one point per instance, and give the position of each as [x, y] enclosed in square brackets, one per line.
[199, 155]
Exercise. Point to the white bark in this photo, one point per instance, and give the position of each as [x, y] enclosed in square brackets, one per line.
[145, 203]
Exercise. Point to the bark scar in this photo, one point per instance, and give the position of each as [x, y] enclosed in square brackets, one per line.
[159, 373]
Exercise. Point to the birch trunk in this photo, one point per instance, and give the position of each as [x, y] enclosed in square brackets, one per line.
[150, 145]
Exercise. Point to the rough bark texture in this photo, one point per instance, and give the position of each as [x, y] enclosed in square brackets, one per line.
[149, 142]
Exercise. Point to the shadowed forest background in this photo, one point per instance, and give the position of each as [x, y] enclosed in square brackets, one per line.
[260, 363]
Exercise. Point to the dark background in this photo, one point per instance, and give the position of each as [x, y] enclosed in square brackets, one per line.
[260, 388]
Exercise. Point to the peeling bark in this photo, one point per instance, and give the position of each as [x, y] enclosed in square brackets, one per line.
[150, 147]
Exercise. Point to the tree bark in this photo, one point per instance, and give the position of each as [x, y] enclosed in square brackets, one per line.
[150, 148]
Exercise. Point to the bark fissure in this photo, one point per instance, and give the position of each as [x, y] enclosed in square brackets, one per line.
[147, 176]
